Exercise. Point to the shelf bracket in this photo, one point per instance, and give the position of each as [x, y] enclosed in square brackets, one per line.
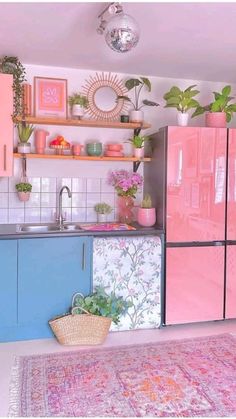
[136, 165]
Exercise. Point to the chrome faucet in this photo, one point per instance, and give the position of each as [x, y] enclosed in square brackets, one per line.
[60, 218]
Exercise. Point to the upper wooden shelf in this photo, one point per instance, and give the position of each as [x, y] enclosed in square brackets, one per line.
[71, 157]
[82, 122]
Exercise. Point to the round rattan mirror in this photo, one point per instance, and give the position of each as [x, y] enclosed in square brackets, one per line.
[101, 91]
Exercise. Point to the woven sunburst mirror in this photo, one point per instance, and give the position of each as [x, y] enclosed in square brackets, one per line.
[101, 91]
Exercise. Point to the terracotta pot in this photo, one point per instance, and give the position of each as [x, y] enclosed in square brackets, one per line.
[182, 119]
[136, 116]
[216, 119]
[146, 216]
[139, 153]
[23, 196]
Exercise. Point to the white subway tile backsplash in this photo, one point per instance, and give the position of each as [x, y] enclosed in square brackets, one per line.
[78, 215]
[78, 185]
[67, 214]
[3, 215]
[48, 199]
[47, 215]
[4, 200]
[32, 215]
[93, 185]
[66, 201]
[3, 184]
[91, 215]
[48, 184]
[14, 201]
[34, 200]
[105, 187]
[78, 200]
[16, 215]
[64, 181]
[93, 199]
[35, 182]
[12, 184]
[108, 198]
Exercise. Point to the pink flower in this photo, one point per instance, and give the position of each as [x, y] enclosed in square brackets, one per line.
[125, 183]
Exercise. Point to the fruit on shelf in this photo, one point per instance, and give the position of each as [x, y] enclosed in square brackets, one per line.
[60, 141]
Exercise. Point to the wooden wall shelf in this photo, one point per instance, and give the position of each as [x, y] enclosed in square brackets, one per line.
[87, 158]
[82, 123]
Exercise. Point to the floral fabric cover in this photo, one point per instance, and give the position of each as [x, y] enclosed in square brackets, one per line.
[131, 267]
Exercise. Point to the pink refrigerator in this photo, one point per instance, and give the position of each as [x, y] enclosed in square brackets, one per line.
[192, 180]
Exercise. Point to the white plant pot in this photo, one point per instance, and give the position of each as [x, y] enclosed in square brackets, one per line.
[24, 148]
[182, 119]
[136, 116]
[77, 111]
[139, 153]
[102, 218]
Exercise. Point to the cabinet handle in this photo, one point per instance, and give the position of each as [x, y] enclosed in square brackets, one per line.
[5, 157]
[84, 257]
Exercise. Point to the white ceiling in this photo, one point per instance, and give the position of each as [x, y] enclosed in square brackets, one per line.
[180, 40]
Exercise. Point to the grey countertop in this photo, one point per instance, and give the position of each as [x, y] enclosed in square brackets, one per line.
[10, 231]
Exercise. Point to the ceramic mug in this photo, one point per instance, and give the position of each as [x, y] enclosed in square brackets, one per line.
[76, 149]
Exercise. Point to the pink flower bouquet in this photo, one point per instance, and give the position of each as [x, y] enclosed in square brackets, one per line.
[125, 183]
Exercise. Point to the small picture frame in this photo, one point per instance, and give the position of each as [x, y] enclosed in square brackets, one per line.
[50, 97]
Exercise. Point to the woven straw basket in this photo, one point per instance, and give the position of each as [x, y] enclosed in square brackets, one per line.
[80, 329]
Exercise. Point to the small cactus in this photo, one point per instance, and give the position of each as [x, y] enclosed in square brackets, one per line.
[146, 202]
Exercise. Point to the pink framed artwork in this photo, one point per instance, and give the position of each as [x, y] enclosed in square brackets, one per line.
[50, 97]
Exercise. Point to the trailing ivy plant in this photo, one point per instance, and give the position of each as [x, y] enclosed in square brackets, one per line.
[12, 65]
[102, 304]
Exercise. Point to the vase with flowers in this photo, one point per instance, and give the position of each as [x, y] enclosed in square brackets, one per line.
[126, 185]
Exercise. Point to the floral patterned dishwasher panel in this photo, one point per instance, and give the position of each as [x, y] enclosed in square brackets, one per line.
[131, 267]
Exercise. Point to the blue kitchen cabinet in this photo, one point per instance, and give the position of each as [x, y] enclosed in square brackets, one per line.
[8, 287]
[50, 271]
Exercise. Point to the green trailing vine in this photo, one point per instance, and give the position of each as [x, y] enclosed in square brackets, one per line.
[12, 65]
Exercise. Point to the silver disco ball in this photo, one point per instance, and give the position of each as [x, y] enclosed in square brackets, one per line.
[122, 33]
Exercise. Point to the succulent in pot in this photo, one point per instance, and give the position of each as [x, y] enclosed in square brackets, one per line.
[102, 209]
[183, 101]
[138, 142]
[23, 191]
[24, 132]
[146, 213]
[219, 112]
[77, 104]
[136, 115]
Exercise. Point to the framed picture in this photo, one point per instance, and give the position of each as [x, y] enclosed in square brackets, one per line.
[50, 97]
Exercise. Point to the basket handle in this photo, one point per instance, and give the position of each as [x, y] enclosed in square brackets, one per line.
[74, 296]
[82, 309]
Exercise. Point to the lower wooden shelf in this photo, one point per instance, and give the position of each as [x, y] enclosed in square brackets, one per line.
[72, 157]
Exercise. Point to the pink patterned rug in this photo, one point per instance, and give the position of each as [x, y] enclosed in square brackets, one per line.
[190, 377]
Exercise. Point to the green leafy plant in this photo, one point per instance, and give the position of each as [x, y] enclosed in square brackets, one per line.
[12, 65]
[24, 131]
[182, 100]
[220, 104]
[102, 304]
[103, 208]
[138, 140]
[24, 187]
[146, 202]
[78, 99]
[138, 85]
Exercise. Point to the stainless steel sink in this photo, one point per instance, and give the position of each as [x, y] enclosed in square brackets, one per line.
[46, 228]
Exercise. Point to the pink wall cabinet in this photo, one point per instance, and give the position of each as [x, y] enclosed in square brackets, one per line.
[231, 201]
[6, 125]
[230, 300]
[195, 184]
[194, 284]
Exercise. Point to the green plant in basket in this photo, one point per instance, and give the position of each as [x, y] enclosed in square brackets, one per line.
[102, 304]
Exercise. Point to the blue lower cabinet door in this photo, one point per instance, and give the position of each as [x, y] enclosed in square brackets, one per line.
[8, 281]
[50, 271]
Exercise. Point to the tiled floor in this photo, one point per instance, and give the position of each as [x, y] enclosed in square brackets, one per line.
[9, 350]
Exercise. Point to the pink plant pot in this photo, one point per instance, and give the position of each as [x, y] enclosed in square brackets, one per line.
[146, 216]
[216, 119]
[23, 196]
[139, 153]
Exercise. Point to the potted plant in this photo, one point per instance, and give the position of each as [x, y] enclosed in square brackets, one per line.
[102, 211]
[136, 115]
[220, 111]
[183, 101]
[138, 145]
[146, 213]
[12, 65]
[23, 191]
[24, 133]
[77, 104]
[90, 318]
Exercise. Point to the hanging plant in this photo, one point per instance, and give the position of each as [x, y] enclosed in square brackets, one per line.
[12, 65]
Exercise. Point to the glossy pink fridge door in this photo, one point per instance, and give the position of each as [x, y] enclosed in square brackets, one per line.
[194, 284]
[231, 204]
[6, 124]
[196, 180]
[230, 302]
